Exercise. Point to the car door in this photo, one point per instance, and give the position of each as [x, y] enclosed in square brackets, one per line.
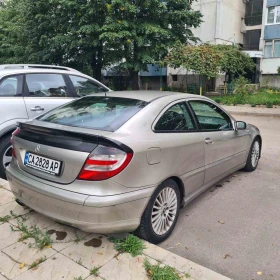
[12, 106]
[182, 147]
[224, 146]
[45, 91]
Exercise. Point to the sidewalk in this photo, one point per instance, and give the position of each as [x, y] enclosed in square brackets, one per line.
[255, 111]
[74, 253]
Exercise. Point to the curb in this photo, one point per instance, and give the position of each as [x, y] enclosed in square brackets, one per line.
[248, 111]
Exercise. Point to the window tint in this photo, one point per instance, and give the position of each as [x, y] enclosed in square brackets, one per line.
[46, 85]
[96, 112]
[210, 117]
[176, 118]
[85, 86]
[11, 86]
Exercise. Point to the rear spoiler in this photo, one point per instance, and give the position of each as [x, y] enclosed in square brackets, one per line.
[68, 140]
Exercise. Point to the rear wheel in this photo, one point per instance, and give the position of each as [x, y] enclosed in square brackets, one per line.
[161, 213]
[5, 155]
[253, 157]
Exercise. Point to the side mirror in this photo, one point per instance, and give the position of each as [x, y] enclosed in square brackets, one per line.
[240, 125]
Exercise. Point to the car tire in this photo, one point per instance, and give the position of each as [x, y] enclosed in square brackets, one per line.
[253, 156]
[161, 213]
[5, 149]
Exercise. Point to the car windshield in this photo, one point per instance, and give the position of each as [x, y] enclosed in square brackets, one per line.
[95, 112]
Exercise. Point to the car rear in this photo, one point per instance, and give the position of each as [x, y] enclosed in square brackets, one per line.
[64, 164]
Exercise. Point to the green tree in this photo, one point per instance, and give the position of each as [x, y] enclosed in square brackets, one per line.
[92, 34]
[209, 60]
[64, 32]
[140, 32]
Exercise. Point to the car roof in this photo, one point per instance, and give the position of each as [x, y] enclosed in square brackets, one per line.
[150, 96]
[36, 70]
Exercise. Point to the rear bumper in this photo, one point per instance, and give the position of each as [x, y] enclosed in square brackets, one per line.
[100, 214]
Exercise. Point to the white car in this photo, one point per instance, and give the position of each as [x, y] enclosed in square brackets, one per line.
[27, 91]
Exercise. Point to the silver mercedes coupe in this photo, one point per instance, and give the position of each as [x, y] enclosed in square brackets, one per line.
[127, 161]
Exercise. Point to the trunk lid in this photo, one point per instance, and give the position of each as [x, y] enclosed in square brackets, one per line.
[68, 145]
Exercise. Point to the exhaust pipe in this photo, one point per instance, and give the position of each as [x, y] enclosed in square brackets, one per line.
[20, 203]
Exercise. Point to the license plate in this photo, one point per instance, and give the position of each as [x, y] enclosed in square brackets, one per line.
[43, 164]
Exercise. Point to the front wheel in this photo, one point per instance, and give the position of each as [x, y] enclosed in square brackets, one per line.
[5, 155]
[253, 157]
[161, 213]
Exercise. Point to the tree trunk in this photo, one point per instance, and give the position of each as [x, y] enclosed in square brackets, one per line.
[96, 63]
[98, 72]
[93, 64]
[134, 80]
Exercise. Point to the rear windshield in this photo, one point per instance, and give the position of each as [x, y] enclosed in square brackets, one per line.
[95, 112]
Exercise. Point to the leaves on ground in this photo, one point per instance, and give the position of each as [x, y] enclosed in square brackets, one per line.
[22, 265]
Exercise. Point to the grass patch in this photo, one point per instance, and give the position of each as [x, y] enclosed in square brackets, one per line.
[94, 271]
[131, 244]
[37, 262]
[260, 98]
[6, 218]
[187, 275]
[78, 238]
[78, 278]
[42, 239]
[79, 261]
[157, 272]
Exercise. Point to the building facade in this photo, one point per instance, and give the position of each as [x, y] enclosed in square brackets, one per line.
[270, 43]
[237, 22]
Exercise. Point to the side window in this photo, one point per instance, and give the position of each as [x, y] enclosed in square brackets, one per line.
[210, 117]
[85, 86]
[11, 86]
[176, 118]
[46, 85]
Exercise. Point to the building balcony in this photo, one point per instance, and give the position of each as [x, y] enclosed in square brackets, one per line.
[253, 20]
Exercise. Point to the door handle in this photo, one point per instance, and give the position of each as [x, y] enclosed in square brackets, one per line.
[37, 109]
[209, 141]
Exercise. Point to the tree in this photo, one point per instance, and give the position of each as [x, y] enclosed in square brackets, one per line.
[92, 34]
[64, 32]
[140, 32]
[209, 60]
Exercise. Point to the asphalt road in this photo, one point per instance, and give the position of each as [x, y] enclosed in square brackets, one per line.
[247, 242]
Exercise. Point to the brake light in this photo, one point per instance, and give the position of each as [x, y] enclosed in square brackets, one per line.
[104, 163]
[11, 140]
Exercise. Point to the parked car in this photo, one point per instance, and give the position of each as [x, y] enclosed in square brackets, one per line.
[127, 161]
[27, 91]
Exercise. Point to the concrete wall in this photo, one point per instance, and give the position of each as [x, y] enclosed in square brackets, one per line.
[270, 65]
[222, 21]
[271, 80]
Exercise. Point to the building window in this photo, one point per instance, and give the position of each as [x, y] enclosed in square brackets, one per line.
[273, 15]
[174, 78]
[276, 49]
[272, 49]
[268, 49]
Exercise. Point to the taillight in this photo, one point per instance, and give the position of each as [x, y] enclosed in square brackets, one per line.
[11, 140]
[104, 163]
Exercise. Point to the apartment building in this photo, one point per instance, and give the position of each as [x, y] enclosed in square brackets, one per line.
[270, 43]
[236, 22]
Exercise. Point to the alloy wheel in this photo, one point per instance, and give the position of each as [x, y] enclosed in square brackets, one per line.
[255, 154]
[164, 211]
